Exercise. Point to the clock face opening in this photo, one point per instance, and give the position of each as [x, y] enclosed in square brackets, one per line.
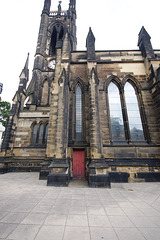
[52, 64]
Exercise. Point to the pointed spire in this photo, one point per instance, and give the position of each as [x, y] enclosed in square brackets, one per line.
[47, 5]
[90, 44]
[27, 62]
[144, 43]
[59, 7]
[143, 33]
[66, 47]
[90, 36]
[73, 4]
[25, 71]
[24, 76]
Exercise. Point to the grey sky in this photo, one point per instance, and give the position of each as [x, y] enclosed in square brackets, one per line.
[115, 24]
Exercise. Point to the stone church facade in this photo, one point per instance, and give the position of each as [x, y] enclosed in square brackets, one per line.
[85, 114]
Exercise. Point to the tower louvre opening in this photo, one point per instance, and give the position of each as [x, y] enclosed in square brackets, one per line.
[53, 42]
[61, 34]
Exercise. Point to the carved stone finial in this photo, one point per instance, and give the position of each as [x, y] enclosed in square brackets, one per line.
[144, 43]
[59, 6]
[90, 44]
[47, 5]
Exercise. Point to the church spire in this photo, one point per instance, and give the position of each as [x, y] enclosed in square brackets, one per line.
[73, 4]
[59, 8]
[144, 43]
[24, 76]
[47, 5]
[27, 62]
[90, 44]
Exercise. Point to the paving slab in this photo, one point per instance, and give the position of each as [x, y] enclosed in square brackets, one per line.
[103, 233]
[129, 234]
[29, 210]
[14, 217]
[56, 220]
[77, 233]
[34, 218]
[6, 229]
[150, 233]
[99, 221]
[50, 233]
[26, 232]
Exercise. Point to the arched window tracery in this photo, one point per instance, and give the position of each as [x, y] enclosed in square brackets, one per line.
[53, 42]
[117, 125]
[78, 113]
[46, 134]
[39, 134]
[126, 112]
[34, 134]
[134, 118]
[57, 34]
[61, 33]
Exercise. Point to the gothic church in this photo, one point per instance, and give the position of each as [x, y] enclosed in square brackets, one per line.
[85, 114]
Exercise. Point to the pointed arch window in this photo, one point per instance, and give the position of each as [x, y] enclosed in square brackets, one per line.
[34, 135]
[127, 118]
[134, 118]
[61, 33]
[78, 113]
[53, 42]
[116, 119]
[57, 34]
[46, 134]
[40, 137]
[39, 134]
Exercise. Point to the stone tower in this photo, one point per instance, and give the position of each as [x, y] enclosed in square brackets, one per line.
[57, 39]
[85, 114]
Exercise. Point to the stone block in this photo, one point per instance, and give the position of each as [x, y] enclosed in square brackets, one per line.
[119, 176]
[149, 176]
[58, 180]
[102, 181]
[3, 168]
[43, 175]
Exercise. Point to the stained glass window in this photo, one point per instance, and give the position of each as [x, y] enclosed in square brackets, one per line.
[40, 139]
[34, 136]
[78, 114]
[117, 125]
[135, 124]
[46, 134]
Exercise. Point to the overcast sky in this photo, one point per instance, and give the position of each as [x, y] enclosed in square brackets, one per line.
[115, 24]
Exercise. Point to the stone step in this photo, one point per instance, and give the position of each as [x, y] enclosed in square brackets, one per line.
[78, 183]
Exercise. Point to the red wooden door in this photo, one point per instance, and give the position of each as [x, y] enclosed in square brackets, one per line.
[78, 163]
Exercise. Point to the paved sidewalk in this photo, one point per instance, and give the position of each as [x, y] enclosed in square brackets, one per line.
[29, 210]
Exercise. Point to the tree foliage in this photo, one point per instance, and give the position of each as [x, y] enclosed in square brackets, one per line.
[4, 111]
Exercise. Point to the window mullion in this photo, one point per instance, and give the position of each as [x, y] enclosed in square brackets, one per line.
[143, 118]
[109, 118]
[116, 118]
[125, 117]
[134, 114]
[78, 113]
